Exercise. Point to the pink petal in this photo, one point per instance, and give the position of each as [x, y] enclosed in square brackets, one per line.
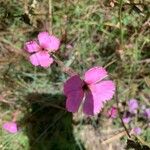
[104, 90]
[34, 59]
[95, 74]
[48, 42]
[41, 58]
[45, 59]
[74, 100]
[10, 127]
[92, 104]
[32, 46]
[74, 83]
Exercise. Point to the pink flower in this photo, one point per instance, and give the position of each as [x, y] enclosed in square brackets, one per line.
[94, 88]
[133, 106]
[137, 130]
[112, 112]
[40, 52]
[126, 119]
[10, 127]
[147, 113]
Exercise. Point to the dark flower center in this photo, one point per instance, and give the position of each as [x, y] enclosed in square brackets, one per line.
[43, 49]
[85, 87]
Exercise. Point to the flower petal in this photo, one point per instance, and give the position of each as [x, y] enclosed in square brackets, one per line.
[74, 100]
[41, 58]
[104, 90]
[48, 42]
[45, 59]
[32, 46]
[34, 59]
[92, 105]
[10, 127]
[95, 74]
[55, 43]
[74, 83]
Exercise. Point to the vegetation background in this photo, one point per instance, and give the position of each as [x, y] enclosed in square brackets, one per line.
[109, 33]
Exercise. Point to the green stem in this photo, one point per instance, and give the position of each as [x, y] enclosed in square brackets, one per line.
[120, 116]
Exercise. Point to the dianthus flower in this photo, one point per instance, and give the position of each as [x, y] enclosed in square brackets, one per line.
[40, 50]
[94, 88]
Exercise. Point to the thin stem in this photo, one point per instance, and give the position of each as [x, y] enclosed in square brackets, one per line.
[120, 116]
[65, 69]
[26, 7]
[15, 115]
[121, 46]
[50, 16]
[120, 23]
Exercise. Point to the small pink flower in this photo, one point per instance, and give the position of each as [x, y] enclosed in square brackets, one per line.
[133, 106]
[147, 113]
[112, 112]
[96, 90]
[40, 52]
[137, 130]
[10, 127]
[126, 119]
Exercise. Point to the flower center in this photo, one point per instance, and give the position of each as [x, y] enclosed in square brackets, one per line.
[43, 49]
[85, 87]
